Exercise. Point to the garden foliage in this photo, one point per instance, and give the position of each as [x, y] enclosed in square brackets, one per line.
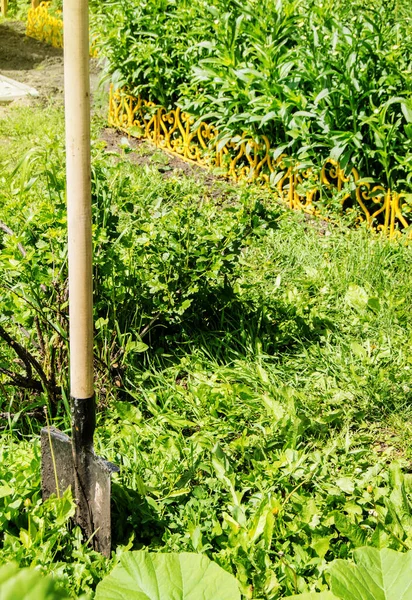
[319, 79]
[376, 575]
[253, 397]
[27, 584]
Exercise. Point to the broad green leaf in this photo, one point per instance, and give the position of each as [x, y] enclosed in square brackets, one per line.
[304, 113]
[270, 115]
[321, 545]
[345, 483]
[321, 95]
[349, 529]
[374, 304]
[5, 490]
[407, 111]
[381, 537]
[145, 576]
[128, 412]
[360, 352]
[376, 575]
[356, 297]
[136, 346]
[273, 407]
[27, 584]
[315, 596]
[337, 151]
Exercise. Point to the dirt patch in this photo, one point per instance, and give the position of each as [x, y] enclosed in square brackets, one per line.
[29, 61]
[41, 66]
[143, 152]
[34, 63]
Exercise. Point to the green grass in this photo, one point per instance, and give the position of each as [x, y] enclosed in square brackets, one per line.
[267, 423]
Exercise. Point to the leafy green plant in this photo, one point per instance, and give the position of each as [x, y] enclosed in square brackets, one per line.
[267, 426]
[167, 252]
[314, 596]
[38, 534]
[27, 584]
[375, 575]
[166, 255]
[318, 80]
[144, 576]
[34, 290]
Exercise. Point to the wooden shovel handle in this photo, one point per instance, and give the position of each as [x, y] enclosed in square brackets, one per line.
[77, 112]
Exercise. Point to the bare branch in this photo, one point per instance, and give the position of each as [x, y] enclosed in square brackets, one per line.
[18, 349]
[29, 361]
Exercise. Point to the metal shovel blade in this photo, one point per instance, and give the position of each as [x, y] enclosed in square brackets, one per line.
[92, 494]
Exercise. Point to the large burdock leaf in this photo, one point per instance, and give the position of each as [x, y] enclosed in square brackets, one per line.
[376, 575]
[314, 596]
[151, 576]
[27, 584]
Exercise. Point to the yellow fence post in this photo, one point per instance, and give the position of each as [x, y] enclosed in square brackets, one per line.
[35, 3]
[3, 5]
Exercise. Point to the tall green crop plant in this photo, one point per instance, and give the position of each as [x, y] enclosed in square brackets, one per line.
[150, 45]
[358, 74]
[247, 73]
[319, 79]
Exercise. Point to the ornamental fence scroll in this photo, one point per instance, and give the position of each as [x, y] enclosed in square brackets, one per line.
[244, 159]
[43, 26]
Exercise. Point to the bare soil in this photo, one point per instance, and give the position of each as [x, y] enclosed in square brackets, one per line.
[143, 152]
[29, 61]
[34, 63]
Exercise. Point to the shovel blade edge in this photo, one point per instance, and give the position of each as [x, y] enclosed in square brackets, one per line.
[99, 504]
[57, 470]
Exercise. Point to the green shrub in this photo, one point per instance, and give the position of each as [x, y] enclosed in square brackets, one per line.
[27, 584]
[163, 253]
[376, 575]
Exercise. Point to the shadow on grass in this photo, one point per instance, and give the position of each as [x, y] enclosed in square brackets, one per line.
[233, 327]
[132, 516]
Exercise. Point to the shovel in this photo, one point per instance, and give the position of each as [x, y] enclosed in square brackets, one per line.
[72, 462]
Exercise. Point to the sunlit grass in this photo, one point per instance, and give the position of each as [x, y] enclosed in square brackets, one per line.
[286, 392]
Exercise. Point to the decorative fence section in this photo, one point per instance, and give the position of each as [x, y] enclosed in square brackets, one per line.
[245, 159]
[42, 26]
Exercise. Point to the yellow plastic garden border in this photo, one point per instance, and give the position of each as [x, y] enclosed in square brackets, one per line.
[245, 159]
[242, 159]
[43, 26]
